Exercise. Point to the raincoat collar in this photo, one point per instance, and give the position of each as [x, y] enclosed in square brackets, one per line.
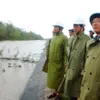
[80, 35]
[60, 33]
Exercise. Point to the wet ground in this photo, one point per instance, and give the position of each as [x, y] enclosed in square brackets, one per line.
[36, 88]
[13, 78]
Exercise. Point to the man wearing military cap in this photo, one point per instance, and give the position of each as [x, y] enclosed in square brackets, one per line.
[71, 32]
[90, 88]
[91, 33]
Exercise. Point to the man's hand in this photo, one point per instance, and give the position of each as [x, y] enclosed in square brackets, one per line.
[64, 65]
[78, 98]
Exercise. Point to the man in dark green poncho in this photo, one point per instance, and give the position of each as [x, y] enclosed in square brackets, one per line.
[57, 59]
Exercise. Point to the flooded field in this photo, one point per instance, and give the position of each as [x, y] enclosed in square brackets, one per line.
[14, 73]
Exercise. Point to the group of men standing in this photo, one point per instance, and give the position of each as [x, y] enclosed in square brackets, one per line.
[74, 64]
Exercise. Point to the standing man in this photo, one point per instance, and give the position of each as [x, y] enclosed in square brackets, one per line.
[91, 33]
[75, 62]
[90, 89]
[71, 32]
[57, 59]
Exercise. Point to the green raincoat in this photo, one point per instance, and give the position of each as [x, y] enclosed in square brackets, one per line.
[75, 65]
[57, 57]
[90, 88]
[45, 66]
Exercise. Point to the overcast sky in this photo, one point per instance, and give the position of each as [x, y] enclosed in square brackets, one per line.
[39, 15]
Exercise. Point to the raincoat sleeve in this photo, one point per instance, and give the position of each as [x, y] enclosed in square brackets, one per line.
[83, 69]
[47, 48]
[65, 51]
[86, 52]
[45, 66]
[70, 41]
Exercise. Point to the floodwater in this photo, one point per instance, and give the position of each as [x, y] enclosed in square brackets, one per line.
[14, 74]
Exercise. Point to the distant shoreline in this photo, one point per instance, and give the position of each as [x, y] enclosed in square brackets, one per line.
[10, 32]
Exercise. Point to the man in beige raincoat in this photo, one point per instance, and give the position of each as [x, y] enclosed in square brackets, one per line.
[76, 61]
[90, 88]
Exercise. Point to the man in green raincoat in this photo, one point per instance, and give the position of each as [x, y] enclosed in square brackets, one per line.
[90, 88]
[76, 61]
[57, 59]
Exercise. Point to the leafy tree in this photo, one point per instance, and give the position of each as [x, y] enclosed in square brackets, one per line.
[9, 32]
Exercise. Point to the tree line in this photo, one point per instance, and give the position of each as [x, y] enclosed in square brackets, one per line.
[9, 32]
